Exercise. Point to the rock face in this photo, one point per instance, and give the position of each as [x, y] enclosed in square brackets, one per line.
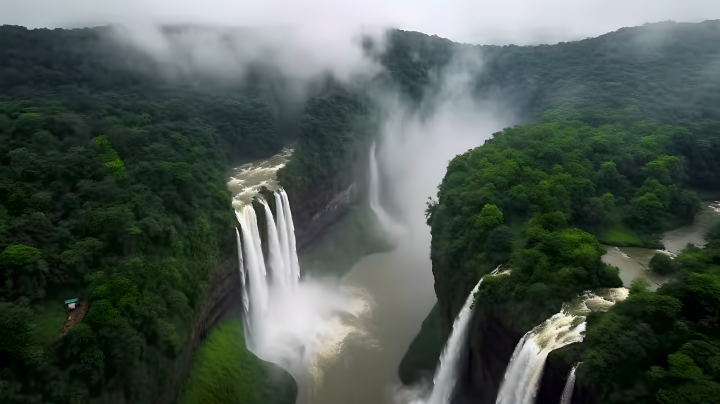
[491, 343]
[223, 284]
[557, 369]
[318, 206]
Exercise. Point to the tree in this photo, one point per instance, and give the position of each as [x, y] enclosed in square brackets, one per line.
[663, 264]
[490, 217]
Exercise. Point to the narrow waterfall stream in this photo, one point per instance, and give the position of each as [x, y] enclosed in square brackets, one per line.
[569, 385]
[446, 373]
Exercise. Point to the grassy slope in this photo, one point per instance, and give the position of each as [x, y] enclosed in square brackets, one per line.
[226, 372]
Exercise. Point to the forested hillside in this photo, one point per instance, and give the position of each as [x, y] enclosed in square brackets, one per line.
[633, 134]
[669, 71]
[112, 190]
[539, 199]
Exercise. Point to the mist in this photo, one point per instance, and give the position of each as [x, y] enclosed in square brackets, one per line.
[517, 21]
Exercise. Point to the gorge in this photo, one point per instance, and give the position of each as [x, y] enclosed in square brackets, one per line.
[564, 171]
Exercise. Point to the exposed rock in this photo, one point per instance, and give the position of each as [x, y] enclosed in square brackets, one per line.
[491, 343]
[318, 206]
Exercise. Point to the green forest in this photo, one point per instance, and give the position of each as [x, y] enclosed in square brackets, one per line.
[112, 190]
[540, 198]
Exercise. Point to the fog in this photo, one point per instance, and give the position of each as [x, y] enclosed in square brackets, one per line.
[302, 42]
[472, 21]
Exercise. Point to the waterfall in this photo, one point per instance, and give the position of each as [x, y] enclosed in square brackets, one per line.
[282, 260]
[277, 258]
[243, 281]
[446, 373]
[569, 386]
[528, 361]
[289, 227]
[290, 323]
[253, 267]
[375, 206]
[284, 237]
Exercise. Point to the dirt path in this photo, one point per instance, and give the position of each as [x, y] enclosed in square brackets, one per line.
[74, 316]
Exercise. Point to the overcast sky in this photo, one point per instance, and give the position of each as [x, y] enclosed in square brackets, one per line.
[472, 21]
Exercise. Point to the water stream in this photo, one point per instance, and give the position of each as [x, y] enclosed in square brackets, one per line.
[634, 261]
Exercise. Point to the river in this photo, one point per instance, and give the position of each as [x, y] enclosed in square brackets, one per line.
[634, 261]
[401, 286]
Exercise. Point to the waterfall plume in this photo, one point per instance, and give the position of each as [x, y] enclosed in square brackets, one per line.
[295, 323]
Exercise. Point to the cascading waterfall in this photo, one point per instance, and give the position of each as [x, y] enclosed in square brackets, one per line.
[375, 188]
[243, 282]
[277, 257]
[255, 281]
[294, 324]
[569, 386]
[528, 360]
[281, 198]
[446, 373]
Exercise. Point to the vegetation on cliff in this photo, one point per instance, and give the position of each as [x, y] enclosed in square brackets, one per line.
[667, 70]
[118, 203]
[536, 196]
[226, 372]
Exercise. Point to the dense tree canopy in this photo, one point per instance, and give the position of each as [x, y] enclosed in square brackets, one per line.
[112, 190]
[124, 207]
[538, 197]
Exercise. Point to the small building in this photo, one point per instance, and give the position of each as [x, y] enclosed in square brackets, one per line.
[71, 303]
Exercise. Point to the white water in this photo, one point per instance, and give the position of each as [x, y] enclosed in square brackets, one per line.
[569, 386]
[281, 197]
[528, 361]
[446, 373]
[298, 325]
[255, 285]
[374, 190]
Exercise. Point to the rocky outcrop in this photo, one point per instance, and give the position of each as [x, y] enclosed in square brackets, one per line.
[491, 343]
[557, 369]
[316, 207]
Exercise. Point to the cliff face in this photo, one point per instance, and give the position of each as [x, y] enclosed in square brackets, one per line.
[490, 346]
[316, 207]
[491, 343]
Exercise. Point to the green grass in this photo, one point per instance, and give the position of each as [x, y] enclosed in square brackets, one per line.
[623, 237]
[620, 237]
[49, 319]
[225, 372]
